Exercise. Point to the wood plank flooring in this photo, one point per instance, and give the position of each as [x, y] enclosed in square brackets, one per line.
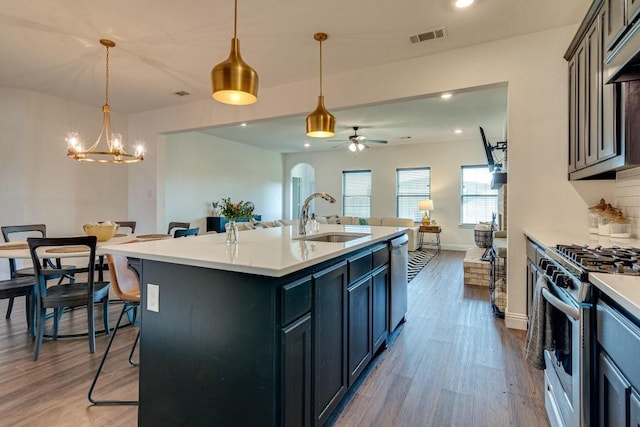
[452, 364]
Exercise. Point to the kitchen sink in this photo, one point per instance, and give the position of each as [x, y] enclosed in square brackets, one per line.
[332, 237]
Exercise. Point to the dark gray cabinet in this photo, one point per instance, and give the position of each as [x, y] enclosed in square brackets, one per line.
[380, 312]
[296, 373]
[633, 9]
[360, 352]
[615, 23]
[618, 372]
[330, 340]
[613, 391]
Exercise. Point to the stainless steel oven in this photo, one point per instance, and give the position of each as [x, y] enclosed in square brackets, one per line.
[567, 365]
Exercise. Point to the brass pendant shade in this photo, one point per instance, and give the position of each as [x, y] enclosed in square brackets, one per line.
[321, 123]
[233, 80]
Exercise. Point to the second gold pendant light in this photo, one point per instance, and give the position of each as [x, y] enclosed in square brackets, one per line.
[321, 123]
[234, 81]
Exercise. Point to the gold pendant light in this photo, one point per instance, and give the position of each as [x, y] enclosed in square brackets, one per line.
[115, 151]
[234, 81]
[321, 123]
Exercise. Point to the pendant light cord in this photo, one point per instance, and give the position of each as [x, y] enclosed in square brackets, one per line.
[106, 84]
[235, 19]
[320, 67]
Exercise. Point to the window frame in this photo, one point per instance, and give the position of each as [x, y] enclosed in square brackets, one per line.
[464, 196]
[346, 173]
[417, 196]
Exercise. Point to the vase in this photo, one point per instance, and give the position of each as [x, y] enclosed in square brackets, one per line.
[232, 232]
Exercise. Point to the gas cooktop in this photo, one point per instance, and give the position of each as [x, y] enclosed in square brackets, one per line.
[614, 260]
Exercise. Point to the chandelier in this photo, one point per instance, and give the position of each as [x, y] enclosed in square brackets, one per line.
[114, 152]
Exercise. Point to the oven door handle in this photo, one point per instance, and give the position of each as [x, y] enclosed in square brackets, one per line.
[560, 305]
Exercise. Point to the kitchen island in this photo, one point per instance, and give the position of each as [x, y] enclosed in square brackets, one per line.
[270, 332]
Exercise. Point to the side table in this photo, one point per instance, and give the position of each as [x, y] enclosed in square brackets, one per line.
[431, 229]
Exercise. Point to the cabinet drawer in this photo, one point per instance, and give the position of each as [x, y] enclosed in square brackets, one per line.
[621, 340]
[359, 266]
[534, 252]
[296, 299]
[381, 255]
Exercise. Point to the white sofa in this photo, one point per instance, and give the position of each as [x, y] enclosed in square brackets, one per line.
[412, 231]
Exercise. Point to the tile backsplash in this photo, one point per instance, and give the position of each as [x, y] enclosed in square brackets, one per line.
[627, 197]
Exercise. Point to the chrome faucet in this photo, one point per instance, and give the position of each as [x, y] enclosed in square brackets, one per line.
[304, 214]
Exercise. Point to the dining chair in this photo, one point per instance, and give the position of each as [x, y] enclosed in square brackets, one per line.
[19, 287]
[131, 225]
[174, 224]
[12, 233]
[126, 286]
[188, 232]
[82, 289]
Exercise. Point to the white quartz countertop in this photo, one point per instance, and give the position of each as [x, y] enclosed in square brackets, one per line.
[625, 290]
[263, 251]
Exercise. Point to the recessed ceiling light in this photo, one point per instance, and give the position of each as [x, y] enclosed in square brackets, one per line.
[244, 125]
[457, 131]
[307, 145]
[446, 95]
[460, 4]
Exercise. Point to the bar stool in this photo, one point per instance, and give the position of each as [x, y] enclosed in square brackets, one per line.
[126, 286]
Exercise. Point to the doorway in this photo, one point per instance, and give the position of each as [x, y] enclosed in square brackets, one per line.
[302, 186]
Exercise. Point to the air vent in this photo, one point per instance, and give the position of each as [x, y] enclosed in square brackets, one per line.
[438, 33]
[181, 93]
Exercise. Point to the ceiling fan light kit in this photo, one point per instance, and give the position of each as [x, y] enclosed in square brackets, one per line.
[321, 123]
[233, 81]
[115, 151]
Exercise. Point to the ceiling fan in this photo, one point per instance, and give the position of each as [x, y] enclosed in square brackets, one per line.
[357, 142]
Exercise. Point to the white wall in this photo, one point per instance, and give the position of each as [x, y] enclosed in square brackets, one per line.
[532, 65]
[627, 197]
[38, 183]
[201, 169]
[443, 158]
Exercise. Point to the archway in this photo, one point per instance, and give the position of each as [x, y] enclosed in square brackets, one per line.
[302, 186]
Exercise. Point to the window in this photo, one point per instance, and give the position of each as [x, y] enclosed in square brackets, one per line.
[479, 201]
[356, 193]
[412, 185]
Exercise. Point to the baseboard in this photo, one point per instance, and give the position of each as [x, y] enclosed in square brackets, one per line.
[516, 321]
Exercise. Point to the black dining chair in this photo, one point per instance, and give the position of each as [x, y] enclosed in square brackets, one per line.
[12, 233]
[188, 232]
[130, 225]
[82, 289]
[126, 286]
[173, 225]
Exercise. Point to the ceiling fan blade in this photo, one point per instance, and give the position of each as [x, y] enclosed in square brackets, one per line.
[376, 141]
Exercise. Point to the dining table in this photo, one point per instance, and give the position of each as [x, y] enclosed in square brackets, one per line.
[19, 249]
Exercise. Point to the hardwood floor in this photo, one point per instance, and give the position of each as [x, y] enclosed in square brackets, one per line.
[452, 364]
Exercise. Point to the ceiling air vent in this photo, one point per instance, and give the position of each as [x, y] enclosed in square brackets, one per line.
[181, 93]
[438, 33]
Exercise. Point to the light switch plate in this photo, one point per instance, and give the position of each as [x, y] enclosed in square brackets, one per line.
[153, 297]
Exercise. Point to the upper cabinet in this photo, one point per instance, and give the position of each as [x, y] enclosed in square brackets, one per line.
[615, 22]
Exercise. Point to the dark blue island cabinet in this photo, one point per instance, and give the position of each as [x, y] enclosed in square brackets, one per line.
[236, 349]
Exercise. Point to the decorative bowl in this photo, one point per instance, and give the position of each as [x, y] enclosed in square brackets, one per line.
[103, 231]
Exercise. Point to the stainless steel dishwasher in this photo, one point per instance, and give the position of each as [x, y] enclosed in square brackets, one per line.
[399, 249]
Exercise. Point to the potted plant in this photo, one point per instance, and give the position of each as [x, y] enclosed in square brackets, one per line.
[234, 211]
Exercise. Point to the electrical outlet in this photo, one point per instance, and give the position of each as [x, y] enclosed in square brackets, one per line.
[153, 297]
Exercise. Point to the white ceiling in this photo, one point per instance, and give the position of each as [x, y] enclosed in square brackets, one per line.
[164, 46]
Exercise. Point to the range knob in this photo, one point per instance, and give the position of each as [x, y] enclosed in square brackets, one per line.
[561, 280]
[550, 270]
[543, 263]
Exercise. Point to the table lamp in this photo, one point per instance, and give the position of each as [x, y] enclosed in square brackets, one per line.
[426, 206]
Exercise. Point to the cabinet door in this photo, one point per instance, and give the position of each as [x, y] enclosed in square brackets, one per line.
[633, 8]
[608, 134]
[616, 22]
[581, 102]
[613, 392]
[593, 91]
[296, 373]
[380, 307]
[634, 409]
[360, 346]
[573, 112]
[330, 340]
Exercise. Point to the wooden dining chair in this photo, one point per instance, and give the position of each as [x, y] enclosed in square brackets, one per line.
[173, 225]
[131, 225]
[126, 286]
[82, 289]
[187, 232]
